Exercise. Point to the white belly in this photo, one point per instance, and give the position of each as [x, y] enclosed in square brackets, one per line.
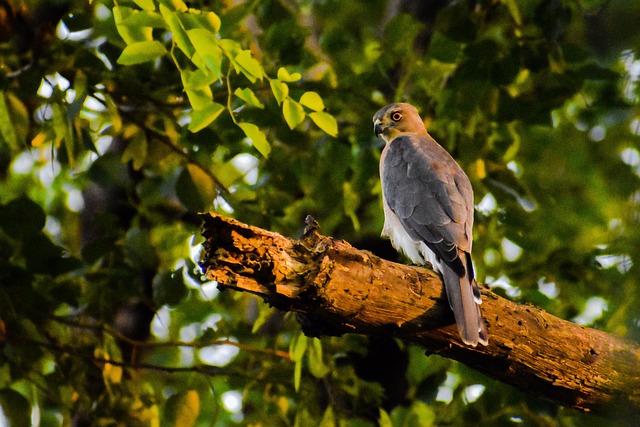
[417, 251]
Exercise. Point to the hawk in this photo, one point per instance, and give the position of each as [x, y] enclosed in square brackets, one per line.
[428, 210]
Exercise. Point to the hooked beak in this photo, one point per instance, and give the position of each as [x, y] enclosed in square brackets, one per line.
[378, 128]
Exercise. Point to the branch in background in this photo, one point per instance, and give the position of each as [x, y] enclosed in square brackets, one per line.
[336, 288]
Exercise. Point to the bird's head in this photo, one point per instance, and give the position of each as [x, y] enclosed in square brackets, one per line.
[395, 119]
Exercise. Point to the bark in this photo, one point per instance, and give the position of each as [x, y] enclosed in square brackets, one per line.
[336, 288]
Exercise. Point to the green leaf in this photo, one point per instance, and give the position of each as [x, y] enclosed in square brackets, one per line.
[7, 131]
[246, 64]
[178, 34]
[249, 97]
[145, 4]
[284, 75]
[293, 112]
[207, 47]
[203, 183]
[136, 150]
[139, 52]
[200, 99]
[326, 122]
[257, 137]
[15, 407]
[130, 34]
[297, 349]
[328, 418]
[202, 118]
[317, 367]
[198, 79]
[312, 100]
[145, 19]
[280, 90]
[384, 420]
[351, 204]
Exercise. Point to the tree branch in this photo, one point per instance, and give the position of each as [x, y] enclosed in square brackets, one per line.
[336, 288]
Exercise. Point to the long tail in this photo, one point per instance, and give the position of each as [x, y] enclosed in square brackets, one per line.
[464, 299]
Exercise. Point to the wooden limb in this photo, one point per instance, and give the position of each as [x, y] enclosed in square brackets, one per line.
[337, 288]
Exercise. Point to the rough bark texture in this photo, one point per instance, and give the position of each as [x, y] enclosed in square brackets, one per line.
[336, 289]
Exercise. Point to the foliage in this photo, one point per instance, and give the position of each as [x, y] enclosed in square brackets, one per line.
[119, 120]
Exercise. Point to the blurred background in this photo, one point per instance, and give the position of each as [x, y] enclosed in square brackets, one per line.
[119, 121]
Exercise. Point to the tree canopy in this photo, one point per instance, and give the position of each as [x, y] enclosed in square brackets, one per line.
[119, 120]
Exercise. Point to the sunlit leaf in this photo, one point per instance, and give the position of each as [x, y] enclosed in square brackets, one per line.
[203, 117]
[257, 137]
[247, 95]
[146, 4]
[139, 52]
[293, 113]
[178, 34]
[130, 34]
[139, 19]
[207, 47]
[284, 75]
[280, 90]
[249, 66]
[188, 409]
[312, 100]
[325, 121]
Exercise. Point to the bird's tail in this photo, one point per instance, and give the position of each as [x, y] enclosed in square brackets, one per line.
[464, 298]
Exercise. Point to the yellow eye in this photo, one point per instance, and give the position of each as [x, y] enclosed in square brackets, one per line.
[396, 116]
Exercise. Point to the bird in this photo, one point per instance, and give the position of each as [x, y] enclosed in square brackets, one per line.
[428, 211]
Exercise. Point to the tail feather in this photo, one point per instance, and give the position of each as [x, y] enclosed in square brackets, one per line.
[464, 298]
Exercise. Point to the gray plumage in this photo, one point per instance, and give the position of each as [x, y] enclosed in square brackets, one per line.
[428, 206]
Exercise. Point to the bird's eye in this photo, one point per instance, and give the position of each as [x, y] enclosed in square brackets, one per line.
[396, 116]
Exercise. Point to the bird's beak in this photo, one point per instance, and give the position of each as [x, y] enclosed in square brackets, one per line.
[378, 127]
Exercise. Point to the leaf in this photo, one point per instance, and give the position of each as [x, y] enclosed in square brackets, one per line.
[249, 97]
[183, 409]
[178, 34]
[297, 349]
[130, 34]
[326, 122]
[15, 407]
[317, 367]
[257, 137]
[144, 19]
[145, 4]
[328, 419]
[384, 420]
[293, 113]
[202, 118]
[199, 79]
[136, 150]
[248, 65]
[208, 48]
[7, 131]
[200, 100]
[284, 75]
[203, 182]
[312, 100]
[139, 52]
[280, 90]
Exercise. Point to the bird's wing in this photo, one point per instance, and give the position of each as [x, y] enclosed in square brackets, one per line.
[431, 195]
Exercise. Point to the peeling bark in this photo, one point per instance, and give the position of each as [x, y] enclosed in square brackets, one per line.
[336, 288]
